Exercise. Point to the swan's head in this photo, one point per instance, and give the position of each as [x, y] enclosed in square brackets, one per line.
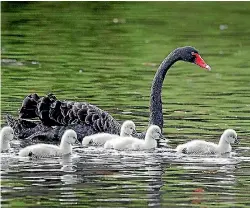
[128, 127]
[190, 54]
[154, 132]
[70, 136]
[7, 133]
[230, 136]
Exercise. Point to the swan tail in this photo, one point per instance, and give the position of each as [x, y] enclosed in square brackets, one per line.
[29, 130]
[184, 150]
[21, 127]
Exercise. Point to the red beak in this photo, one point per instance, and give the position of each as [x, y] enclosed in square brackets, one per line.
[200, 62]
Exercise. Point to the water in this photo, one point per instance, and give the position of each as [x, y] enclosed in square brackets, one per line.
[106, 53]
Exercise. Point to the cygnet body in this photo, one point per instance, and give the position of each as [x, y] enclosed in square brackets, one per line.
[202, 147]
[6, 135]
[99, 139]
[47, 150]
[131, 143]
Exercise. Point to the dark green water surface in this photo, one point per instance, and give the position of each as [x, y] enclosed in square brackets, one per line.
[107, 53]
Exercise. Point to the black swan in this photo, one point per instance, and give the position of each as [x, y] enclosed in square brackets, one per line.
[56, 116]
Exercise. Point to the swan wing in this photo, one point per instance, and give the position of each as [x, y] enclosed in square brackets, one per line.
[84, 118]
[201, 147]
[98, 139]
[197, 147]
[121, 143]
[52, 111]
[139, 144]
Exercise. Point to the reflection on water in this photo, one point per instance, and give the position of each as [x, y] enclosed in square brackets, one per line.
[99, 177]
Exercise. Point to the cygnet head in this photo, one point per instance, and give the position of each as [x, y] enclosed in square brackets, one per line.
[128, 127]
[70, 136]
[7, 133]
[154, 132]
[230, 136]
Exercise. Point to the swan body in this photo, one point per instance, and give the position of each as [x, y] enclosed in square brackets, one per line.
[6, 135]
[56, 116]
[131, 143]
[203, 147]
[127, 129]
[48, 150]
[98, 139]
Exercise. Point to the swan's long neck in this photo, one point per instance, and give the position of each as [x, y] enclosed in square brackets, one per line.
[223, 145]
[156, 116]
[4, 144]
[123, 132]
[150, 141]
[65, 147]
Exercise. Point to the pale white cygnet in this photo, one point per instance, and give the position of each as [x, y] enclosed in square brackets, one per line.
[47, 150]
[202, 147]
[99, 139]
[131, 143]
[6, 135]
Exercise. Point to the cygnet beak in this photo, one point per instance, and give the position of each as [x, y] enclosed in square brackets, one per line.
[12, 136]
[77, 141]
[160, 137]
[134, 132]
[236, 141]
[163, 139]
